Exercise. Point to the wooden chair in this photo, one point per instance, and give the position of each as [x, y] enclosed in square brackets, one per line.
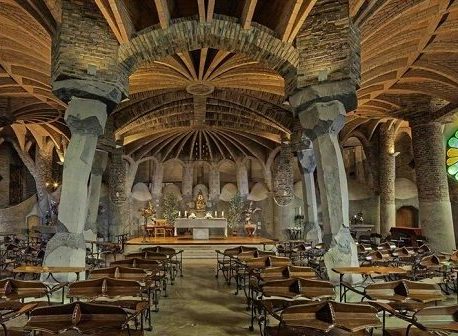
[11, 289]
[299, 288]
[84, 318]
[115, 290]
[174, 256]
[404, 294]
[327, 318]
[152, 287]
[10, 310]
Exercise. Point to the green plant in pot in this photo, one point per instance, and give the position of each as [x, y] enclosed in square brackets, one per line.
[170, 206]
[235, 213]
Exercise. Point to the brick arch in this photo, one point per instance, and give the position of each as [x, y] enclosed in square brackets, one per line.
[256, 43]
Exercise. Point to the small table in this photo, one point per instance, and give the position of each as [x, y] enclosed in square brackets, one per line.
[364, 270]
[51, 270]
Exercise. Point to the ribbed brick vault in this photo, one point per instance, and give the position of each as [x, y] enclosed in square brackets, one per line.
[226, 82]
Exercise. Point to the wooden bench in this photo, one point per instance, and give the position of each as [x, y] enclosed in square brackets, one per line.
[405, 294]
[327, 318]
[84, 318]
[299, 288]
[12, 289]
[152, 286]
[175, 257]
[113, 292]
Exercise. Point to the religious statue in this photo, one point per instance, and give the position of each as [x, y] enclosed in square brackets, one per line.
[250, 228]
[357, 219]
[200, 202]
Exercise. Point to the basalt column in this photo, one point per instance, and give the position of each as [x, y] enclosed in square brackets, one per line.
[98, 167]
[387, 178]
[86, 75]
[307, 166]
[86, 119]
[435, 213]
[119, 203]
[242, 179]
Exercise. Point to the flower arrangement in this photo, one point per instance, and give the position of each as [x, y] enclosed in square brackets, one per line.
[235, 211]
[170, 208]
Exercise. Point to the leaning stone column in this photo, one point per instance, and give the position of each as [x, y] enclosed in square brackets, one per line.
[187, 181]
[158, 177]
[98, 167]
[387, 168]
[86, 119]
[433, 195]
[242, 179]
[214, 184]
[307, 166]
[119, 196]
[322, 118]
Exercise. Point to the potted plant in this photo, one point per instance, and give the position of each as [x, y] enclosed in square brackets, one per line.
[170, 208]
[234, 213]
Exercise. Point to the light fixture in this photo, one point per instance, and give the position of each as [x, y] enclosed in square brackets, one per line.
[55, 184]
[394, 154]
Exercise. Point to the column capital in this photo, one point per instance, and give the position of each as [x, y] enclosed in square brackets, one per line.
[343, 91]
[86, 116]
[323, 118]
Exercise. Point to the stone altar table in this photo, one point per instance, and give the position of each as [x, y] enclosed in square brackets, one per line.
[200, 226]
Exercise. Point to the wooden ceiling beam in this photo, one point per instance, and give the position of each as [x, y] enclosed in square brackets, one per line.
[202, 12]
[107, 13]
[247, 13]
[163, 13]
[210, 10]
[122, 19]
[304, 12]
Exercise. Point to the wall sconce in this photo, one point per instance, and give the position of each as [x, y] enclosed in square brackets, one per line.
[394, 154]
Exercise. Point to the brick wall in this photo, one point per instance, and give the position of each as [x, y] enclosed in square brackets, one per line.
[429, 150]
[328, 41]
[83, 38]
[404, 159]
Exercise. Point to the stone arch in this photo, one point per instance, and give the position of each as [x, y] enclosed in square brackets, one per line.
[362, 162]
[405, 160]
[256, 43]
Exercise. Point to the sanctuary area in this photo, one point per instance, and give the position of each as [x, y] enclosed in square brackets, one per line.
[159, 156]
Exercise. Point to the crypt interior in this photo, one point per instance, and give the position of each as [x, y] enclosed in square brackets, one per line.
[303, 151]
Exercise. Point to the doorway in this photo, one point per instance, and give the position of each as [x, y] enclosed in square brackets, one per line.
[407, 216]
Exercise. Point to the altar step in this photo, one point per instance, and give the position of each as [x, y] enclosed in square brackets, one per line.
[194, 250]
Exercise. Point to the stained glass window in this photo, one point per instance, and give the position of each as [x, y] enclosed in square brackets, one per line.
[452, 156]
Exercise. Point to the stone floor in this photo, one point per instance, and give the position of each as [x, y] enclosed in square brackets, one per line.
[200, 305]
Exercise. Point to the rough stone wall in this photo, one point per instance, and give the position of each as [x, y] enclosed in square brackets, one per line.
[387, 164]
[13, 219]
[403, 160]
[328, 41]
[5, 176]
[84, 38]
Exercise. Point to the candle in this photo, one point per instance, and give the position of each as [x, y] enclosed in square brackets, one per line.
[300, 211]
[186, 214]
[179, 213]
[222, 214]
[216, 213]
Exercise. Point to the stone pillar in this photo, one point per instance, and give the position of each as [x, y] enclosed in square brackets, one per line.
[98, 167]
[187, 181]
[433, 194]
[43, 175]
[119, 205]
[307, 166]
[214, 184]
[158, 177]
[86, 119]
[242, 179]
[387, 168]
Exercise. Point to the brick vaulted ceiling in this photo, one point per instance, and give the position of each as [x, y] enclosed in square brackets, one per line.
[210, 96]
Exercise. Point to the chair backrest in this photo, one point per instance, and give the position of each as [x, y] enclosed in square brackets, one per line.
[135, 255]
[86, 317]
[118, 272]
[274, 261]
[325, 316]
[233, 251]
[104, 287]
[387, 246]
[432, 261]
[248, 248]
[156, 256]
[430, 316]
[301, 272]
[311, 289]
[11, 289]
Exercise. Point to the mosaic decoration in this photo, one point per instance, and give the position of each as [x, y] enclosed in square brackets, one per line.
[283, 177]
[452, 156]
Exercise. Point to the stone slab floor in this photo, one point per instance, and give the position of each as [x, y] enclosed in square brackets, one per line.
[199, 305]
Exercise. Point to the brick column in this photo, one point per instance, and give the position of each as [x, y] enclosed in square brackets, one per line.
[387, 175]
[433, 194]
[119, 215]
[242, 179]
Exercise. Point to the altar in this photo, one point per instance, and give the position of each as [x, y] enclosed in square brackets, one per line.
[201, 226]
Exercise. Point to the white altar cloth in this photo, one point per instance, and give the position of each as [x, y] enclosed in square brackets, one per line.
[201, 223]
